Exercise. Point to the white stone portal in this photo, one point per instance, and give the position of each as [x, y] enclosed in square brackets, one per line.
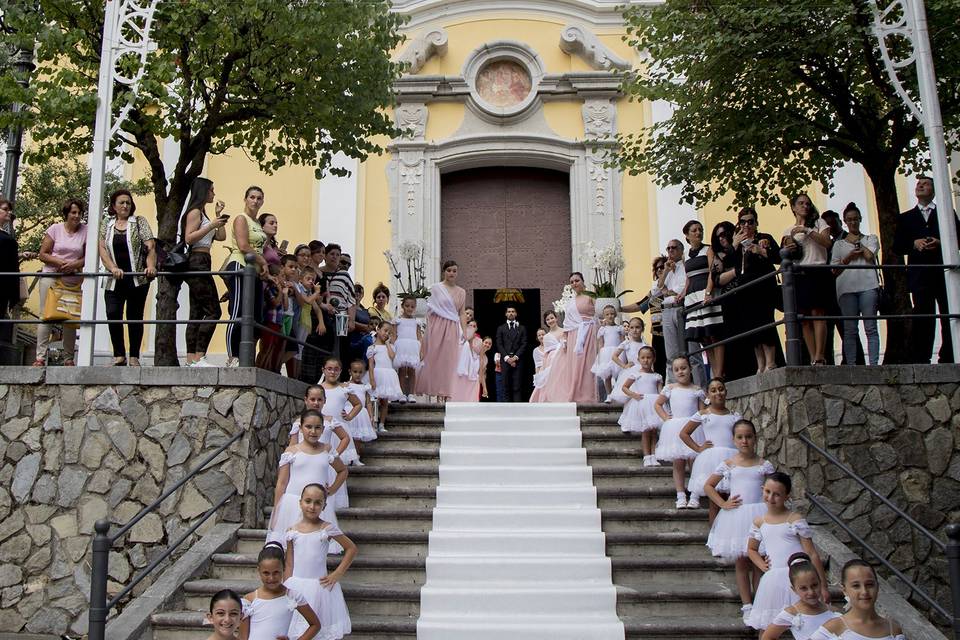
[516, 549]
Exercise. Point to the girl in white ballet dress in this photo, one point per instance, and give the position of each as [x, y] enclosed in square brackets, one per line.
[384, 382]
[300, 465]
[642, 387]
[743, 474]
[360, 428]
[609, 338]
[308, 543]
[716, 424]
[782, 533]
[625, 357]
[685, 399]
[861, 622]
[804, 617]
[269, 609]
[340, 407]
[406, 359]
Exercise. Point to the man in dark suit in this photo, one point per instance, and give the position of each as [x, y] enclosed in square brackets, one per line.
[918, 238]
[511, 344]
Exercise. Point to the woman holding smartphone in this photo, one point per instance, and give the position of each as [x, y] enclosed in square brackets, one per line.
[199, 232]
[858, 290]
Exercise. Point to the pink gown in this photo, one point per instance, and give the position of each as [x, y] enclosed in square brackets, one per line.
[571, 379]
[466, 384]
[442, 341]
[552, 347]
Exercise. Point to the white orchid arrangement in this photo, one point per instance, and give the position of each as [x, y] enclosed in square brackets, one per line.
[607, 263]
[411, 254]
[560, 306]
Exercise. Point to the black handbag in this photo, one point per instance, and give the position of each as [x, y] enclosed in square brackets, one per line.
[175, 259]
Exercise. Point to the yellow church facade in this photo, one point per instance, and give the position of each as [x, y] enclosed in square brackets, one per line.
[508, 107]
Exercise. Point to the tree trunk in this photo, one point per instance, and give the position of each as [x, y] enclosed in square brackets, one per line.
[884, 181]
[165, 341]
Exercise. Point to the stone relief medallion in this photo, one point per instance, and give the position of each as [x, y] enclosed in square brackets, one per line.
[503, 83]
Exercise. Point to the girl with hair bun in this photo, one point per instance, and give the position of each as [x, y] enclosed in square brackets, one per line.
[861, 621]
[268, 609]
[783, 533]
[224, 615]
[803, 618]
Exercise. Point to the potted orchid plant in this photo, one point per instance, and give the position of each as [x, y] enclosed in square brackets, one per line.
[607, 263]
[407, 267]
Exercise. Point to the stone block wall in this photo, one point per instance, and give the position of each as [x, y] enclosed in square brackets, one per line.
[81, 444]
[895, 426]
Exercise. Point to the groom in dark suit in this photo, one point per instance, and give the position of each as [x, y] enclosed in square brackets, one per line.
[918, 238]
[511, 344]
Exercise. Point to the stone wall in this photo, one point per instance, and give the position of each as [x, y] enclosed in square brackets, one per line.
[895, 426]
[81, 444]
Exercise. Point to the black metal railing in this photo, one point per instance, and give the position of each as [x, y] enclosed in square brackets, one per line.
[103, 541]
[247, 320]
[950, 549]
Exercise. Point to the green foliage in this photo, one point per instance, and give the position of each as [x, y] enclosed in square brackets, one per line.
[773, 95]
[44, 187]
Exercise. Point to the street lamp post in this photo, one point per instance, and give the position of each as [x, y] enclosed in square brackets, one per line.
[907, 19]
[22, 65]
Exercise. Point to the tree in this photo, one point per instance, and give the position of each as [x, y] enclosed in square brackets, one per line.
[773, 96]
[44, 187]
[287, 82]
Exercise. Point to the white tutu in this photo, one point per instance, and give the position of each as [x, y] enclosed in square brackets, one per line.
[774, 593]
[407, 353]
[670, 446]
[639, 415]
[388, 385]
[361, 427]
[616, 394]
[309, 565]
[287, 513]
[330, 437]
[704, 466]
[731, 530]
[605, 367]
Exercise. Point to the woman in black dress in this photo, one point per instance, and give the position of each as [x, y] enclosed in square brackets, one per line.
[757, 255]
[722, 271]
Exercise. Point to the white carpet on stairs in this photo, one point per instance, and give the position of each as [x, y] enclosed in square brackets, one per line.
[516, 550]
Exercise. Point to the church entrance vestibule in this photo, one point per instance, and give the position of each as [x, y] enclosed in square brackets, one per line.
[507, 227]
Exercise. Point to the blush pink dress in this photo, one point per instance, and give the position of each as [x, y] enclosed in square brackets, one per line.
[442, 341]
[466, 384]
[571, 378]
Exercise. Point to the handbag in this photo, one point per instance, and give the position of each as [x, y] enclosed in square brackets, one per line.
[175, 259]
[62, 303]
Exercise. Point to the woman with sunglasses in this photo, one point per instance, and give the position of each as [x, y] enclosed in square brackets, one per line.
[756, 255]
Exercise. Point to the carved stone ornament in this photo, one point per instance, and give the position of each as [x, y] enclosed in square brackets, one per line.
[598, 119]
[422, 48]
[411, 177]
[599, 181]
[578, 41]
[412, 118]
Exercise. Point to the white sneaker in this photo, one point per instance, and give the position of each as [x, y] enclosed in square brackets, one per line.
[681, 501]
[653, 461]
[693, 502]
[233, 363]
[187, 363]
[607, 400]
[411, 399]
[745, 612]
[203, 362]
[381, 428]
[357, 463]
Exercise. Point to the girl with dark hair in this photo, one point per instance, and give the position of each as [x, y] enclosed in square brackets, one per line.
[226, 609]
[861, 621]
[248, 237]
[571, 379]
[308, 544]
[716, 425]
[811, 235]
[62, 251]
[445, 326]
[554, 340]
[803, 618]
[270, 225]
[198, 231]
[686, 399]
[269, 609]
[783, 533]
[126, 244]
[757, 255]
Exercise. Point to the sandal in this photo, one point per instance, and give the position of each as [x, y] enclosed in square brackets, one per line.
[39, 362]
[133, 362]
[119, 362]
[818, 363]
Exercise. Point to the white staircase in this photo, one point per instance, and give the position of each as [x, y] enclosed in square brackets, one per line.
[516, 549]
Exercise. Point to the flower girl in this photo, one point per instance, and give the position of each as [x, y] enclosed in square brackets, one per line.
[642, 386]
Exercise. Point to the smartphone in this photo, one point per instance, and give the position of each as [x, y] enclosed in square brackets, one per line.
[284, 245]
[224, 216]
[857, 246]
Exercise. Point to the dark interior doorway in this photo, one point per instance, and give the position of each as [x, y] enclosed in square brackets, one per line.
[490, 315]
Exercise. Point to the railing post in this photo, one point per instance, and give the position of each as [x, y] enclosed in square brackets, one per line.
[248, 346]
[793, 353]
[953, 566]
[98, 581]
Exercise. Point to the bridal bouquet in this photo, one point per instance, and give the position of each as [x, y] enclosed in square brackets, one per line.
[560, 306]
[607, 263]
[410, 255]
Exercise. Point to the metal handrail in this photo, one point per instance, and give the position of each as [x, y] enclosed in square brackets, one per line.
[739, 336]
[103, 541]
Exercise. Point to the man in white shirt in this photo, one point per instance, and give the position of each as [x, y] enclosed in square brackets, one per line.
[672, 284]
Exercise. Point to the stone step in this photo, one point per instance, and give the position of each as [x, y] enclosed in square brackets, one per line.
[676, 597]
[699, 570]
[401, 474]
[546, 476]
[655, 495]
[655, 520]
[687, 626]
[405, 450]
[413, 430]
[373, 519]
[656, 544]
[363, 599]
[391, 496]
[189, 625]
[391, 544]
[366, 569]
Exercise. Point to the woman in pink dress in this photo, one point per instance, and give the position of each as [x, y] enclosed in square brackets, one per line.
[466, 385]
[445, 321]
[553, 343]
[571, 379]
